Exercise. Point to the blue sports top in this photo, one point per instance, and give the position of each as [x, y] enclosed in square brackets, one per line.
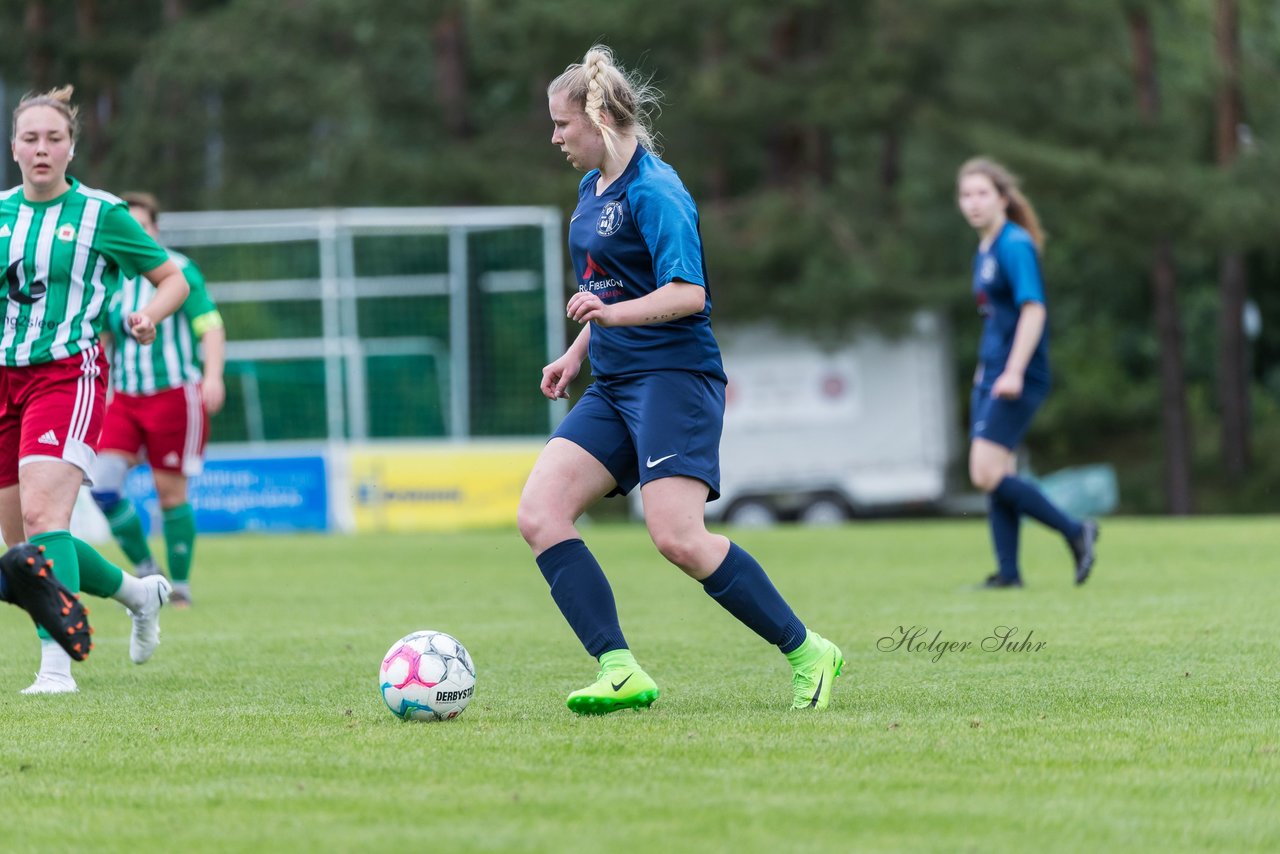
[636, 236]
[1006, 276]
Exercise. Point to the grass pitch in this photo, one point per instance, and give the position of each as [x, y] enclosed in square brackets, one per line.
[1148, 719]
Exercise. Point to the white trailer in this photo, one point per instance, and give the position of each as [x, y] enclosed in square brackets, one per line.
[823, 433]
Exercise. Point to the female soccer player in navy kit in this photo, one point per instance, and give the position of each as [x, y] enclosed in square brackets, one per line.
[1012, 378]
[653, 415]
[64, 247]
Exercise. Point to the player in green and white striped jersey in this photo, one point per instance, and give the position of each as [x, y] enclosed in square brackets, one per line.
[64, 247]
[164, 396]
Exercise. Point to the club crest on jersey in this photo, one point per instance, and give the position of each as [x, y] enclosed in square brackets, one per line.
[610, 219]
[987, 272]
[67, 232]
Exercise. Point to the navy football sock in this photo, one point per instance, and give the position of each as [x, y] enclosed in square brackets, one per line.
[583, 594]
[743, 589]
[1005, 526]
[1027, 498]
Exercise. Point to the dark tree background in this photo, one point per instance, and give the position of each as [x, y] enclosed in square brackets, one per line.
[821, 138]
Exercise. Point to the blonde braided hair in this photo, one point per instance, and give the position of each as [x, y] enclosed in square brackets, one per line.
[601, 88]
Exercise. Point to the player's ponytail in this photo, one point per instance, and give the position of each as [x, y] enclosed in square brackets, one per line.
[601, 88]
[58, 99]
[1006, 184]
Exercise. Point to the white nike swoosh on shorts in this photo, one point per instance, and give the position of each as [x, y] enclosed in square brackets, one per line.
[651, 462]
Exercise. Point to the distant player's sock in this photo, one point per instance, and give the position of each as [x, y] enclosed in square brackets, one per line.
[60, 549]
[180, 596]
[743, 589]
[147, 567]
[180, 540]
[126, 527]
[98, 576]
[580, 589]
[1005, 525]
[1027, 498]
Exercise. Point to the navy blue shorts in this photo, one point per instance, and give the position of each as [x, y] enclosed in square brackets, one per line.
[1000, 420]
[643, 427]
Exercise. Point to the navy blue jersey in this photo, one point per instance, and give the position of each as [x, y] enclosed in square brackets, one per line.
[1005, 277]
[636, 236]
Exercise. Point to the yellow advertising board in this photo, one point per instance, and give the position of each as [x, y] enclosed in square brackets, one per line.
[444, 487]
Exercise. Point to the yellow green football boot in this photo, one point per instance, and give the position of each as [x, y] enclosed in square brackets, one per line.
[815, 665]
[620, 684]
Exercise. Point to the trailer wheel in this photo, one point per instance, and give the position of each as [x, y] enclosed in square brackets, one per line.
[751, 513]
[824, 511]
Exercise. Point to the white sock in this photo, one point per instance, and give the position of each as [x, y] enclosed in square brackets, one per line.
[132, 593]
[54, 660]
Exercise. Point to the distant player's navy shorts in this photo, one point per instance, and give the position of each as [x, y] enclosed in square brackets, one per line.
[644, 427]
[1000, 420]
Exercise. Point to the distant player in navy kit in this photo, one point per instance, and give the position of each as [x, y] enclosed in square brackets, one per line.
[1012, 378]
[653, 415]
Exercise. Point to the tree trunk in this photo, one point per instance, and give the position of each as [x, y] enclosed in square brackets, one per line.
[173, 12]
[1174, 421]
[1233, 381]
[90, 90]
[35, 25]
[784, 142]
[713, 57]
[449, 38]
[1173, 383]
[890, 173]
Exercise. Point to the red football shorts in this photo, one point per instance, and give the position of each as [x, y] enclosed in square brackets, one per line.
[170, 425]
[52, 411]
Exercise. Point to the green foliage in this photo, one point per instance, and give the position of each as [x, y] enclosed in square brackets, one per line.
[820, 138]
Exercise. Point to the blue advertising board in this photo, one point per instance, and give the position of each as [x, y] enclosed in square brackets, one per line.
[269, 494]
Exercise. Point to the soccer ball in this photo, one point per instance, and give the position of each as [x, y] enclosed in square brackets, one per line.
[427, 676]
